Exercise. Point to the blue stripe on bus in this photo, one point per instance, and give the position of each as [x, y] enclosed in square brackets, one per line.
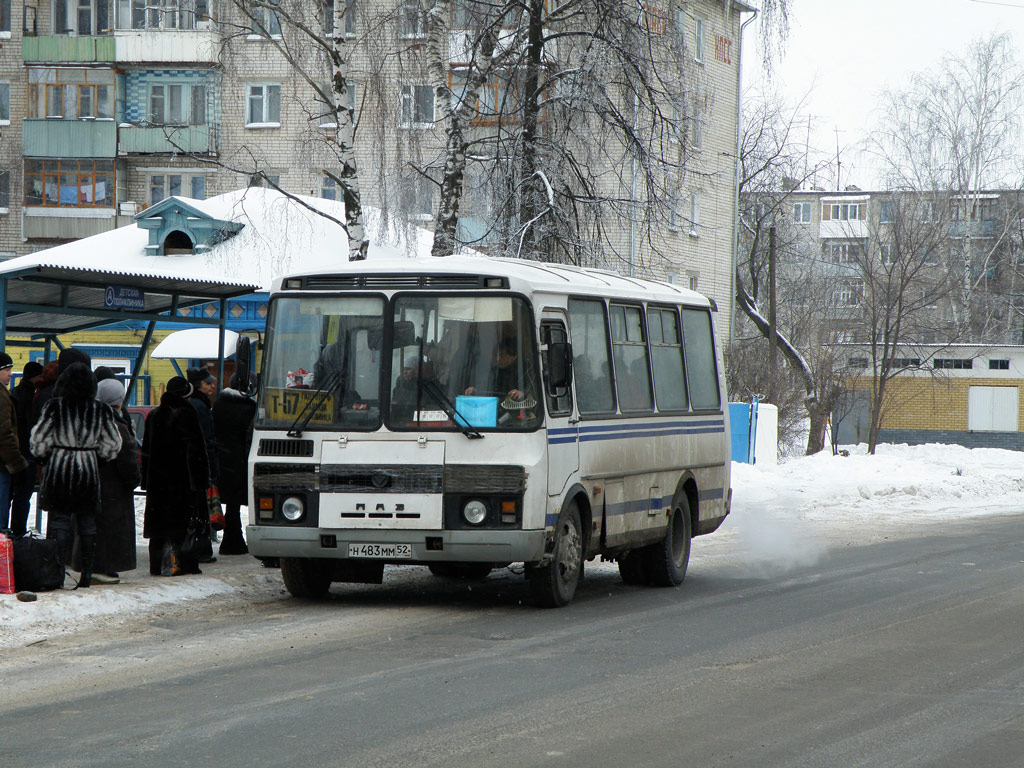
[644, 505]
[624, 431]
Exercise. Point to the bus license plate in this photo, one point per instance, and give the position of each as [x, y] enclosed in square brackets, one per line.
[380, 550]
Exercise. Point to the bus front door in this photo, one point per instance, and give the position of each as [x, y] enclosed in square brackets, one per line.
[562, 423]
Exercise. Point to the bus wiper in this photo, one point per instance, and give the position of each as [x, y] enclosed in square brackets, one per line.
[313, 404]
[432, 388]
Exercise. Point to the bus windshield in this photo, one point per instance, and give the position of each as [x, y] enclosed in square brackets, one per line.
[322, 366]
[476, 353]
[451, 363]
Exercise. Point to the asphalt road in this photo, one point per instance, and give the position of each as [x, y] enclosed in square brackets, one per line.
[899, 653]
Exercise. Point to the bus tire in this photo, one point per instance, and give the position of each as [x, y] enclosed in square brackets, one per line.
[461, 571]
[554, 583]
[633, 569]
[667, 561]
[305, 577]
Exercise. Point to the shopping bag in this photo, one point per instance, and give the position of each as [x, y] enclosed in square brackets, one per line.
[216, 513]
[6, 566]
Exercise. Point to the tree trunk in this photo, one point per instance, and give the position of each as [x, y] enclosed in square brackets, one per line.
[348, 178]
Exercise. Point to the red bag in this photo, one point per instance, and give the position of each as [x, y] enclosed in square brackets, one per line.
[216, 513]
[6, 566]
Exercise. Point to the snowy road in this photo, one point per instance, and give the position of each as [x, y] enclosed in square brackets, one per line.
[904, 652]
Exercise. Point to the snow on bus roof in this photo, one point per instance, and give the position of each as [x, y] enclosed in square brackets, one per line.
[541, 276]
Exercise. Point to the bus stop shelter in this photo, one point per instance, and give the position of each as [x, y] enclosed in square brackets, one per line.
[42, 298]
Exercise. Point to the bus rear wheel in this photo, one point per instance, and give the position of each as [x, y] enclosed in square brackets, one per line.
[667, 561]
[554, 583]
[305, 577]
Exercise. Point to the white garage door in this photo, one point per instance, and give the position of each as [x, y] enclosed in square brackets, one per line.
[992, 409]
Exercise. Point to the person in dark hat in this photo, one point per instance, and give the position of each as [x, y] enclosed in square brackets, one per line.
[24, 481]
[175, 475]
[204, 388]
[11, 459]
[233, 416]
[66, 358]
[75, 432]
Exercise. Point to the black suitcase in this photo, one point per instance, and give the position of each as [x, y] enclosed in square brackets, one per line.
[37, 564]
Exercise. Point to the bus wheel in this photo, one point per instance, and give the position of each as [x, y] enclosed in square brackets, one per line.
[667, 561]
[554, 584]
[461, 571]
[633, 569]
[305, 577]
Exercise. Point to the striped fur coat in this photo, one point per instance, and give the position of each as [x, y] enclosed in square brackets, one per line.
[74, 433]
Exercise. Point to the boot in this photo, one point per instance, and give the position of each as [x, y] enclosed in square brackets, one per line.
[88, 558]
[65, 541]
[233, 543]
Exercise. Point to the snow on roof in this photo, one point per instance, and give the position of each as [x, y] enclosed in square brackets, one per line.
[196, 342]
[279, 236]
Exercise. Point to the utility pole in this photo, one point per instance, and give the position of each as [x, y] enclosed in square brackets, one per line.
[771, 303]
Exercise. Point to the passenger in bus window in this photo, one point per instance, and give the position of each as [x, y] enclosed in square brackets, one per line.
[505, 377]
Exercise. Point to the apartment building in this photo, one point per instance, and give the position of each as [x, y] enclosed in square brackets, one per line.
[109, 106]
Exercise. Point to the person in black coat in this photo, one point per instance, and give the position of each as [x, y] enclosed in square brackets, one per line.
[175, 474]
[65, 359]
[233, 415]
[75, 432]
[115, 521]
[24, 483]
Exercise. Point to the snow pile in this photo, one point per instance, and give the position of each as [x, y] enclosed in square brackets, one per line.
[784, 516]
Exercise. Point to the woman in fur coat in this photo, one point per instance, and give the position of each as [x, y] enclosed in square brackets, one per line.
[73, 435]
[175, 474]
[115, 521]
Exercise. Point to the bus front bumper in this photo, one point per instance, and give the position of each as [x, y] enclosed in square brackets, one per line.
[482, 546]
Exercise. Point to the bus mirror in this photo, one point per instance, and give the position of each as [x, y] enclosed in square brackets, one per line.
[243, 358]
[559, 364]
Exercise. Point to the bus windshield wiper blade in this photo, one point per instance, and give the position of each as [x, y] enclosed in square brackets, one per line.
[432, 388]
[313, 404]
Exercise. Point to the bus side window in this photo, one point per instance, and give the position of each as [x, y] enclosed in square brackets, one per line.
[591, 362]
[629, 352]
[701, 373]
[667, 359]
[559, 398]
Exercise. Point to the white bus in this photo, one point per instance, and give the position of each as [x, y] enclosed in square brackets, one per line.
[468, 413]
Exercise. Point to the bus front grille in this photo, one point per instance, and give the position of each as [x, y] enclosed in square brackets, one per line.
[274, 447]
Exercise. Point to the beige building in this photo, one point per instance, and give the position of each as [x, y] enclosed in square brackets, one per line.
[112, 105]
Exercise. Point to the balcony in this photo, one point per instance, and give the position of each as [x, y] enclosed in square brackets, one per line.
[979, 229]
[64, 49]
[39, 223]
[68, 138]
[179, 46]
[179, 140]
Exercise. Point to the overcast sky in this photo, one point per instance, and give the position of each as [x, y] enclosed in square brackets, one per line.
[844, 53]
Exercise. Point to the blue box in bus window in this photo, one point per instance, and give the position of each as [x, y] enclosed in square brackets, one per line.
[477, 411]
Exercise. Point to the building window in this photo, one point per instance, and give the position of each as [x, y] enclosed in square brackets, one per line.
[5, 103]
[842, 211]
[888, 210]
[500, 98]
[416, 106]
[263, 105]
[69, 183]
[802, 213]
[177, 104]
[411, 20]
[850, 293]
[163, 185]
[929, 211]
[999, 365]
[83, 17]
[698, 40]
[266, 22]
[885, 253]
[5, 191]
[161, 14]
[417, 193]
[695, 214]
[681, 28]
[328, 17]
[5, 18]
[953, 363]
[842, 252]
[71, 93]
[325, 109]
[329, 189]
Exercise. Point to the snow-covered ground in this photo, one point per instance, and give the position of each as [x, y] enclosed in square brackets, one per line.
[784, 516]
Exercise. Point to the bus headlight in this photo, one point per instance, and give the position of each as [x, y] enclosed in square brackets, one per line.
[292, 508]
[475, 512]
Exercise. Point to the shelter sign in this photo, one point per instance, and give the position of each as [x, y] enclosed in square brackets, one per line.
[124, 297]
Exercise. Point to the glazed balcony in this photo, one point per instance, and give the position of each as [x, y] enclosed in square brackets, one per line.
[68, 138]
[186, 139]
[67, 49]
